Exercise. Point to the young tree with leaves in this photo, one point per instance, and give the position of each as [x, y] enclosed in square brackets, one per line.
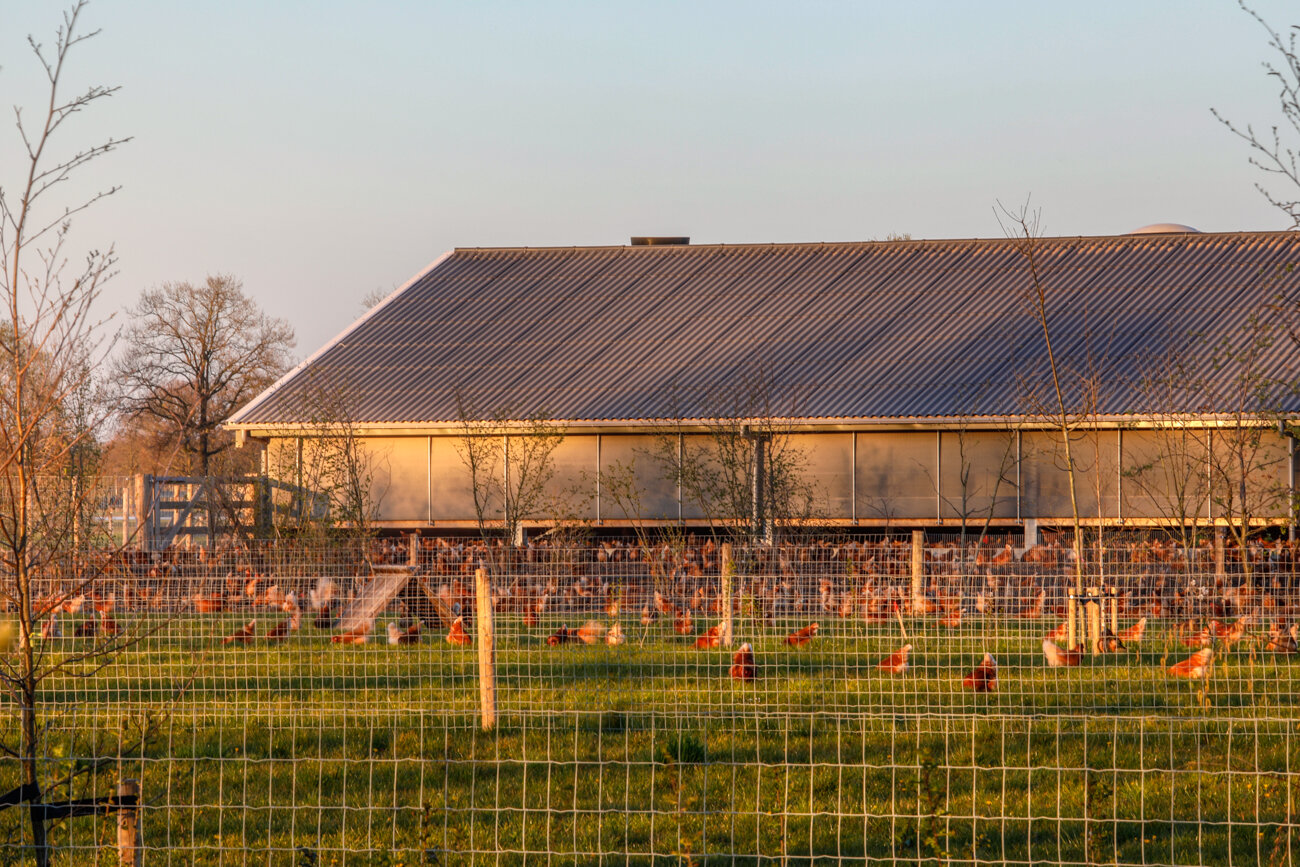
[510, 461]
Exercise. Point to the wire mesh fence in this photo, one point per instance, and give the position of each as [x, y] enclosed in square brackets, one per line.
[834, 701]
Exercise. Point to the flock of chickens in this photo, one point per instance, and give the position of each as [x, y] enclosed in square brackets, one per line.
[859, 580]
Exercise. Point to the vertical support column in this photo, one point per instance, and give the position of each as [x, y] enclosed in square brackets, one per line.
[487, 666]
[938, 476]
[413, 550]
[130, 848]
[1020, 460]
[681, 456]
[1119, 475]
[726, 591]
[1220, 553]
[853, 476]
[918, 571]
[758, 496]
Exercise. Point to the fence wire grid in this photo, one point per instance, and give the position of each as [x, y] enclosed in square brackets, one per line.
[866, 700]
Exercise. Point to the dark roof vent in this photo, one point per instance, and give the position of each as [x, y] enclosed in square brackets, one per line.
[659, 241]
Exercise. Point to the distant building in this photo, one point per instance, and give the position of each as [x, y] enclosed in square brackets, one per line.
[912, 374]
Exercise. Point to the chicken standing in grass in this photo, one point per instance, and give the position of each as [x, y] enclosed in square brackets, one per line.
[985, 676]
[107, 625]
[803, 636]
[614, 636]
[563, 635]
[280, 631]
[1036, 608]
[1193, 667]
[457, 634]
[1135, 632]
[1280, 639]
[243, 634]
[713, 637]
[742, 664]
[397, 635]
[356, 635]
[896, 662]
[1059, 657]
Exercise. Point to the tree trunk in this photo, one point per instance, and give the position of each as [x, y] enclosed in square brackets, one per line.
[30, 749]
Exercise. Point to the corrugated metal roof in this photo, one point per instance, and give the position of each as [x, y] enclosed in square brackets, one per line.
[872, 330]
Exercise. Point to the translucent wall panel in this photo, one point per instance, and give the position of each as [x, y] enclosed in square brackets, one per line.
[897, 473]
[571, 492]
[450, 490]
[1046, 481]
[1166, 475]
[1249, 473]
[400, 469]
[978, 475]
[826, 461]
[632, 476]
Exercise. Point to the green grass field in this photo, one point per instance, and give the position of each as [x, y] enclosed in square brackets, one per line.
[313, 753]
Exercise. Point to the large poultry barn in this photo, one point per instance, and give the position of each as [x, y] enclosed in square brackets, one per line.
[912, 378]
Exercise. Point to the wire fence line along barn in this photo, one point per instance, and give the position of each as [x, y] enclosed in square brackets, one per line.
[901, 704]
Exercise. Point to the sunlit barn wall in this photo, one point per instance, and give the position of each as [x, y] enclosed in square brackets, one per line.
[869, 478]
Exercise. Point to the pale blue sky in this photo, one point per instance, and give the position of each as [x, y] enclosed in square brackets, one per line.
[322, 150]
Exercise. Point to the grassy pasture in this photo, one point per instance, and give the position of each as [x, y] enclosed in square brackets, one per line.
[308, 752]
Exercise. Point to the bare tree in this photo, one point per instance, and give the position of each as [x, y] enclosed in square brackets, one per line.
[330, 471]
[742, 467]
[1022, 228]
[510, 463]
[48, 350]
[1241, 385]
[1276, 152]
[1170, 473]
[193, 354]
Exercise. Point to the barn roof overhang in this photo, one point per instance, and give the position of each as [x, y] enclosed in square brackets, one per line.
[792, 425]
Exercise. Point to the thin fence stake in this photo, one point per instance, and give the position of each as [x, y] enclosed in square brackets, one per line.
[725, 591]
[918, 571]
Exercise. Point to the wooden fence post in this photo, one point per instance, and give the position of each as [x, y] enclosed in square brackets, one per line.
[728, 571]
[918, 571]
[487, 667]
[1093, 610]
[1071, 620]
[130, 848]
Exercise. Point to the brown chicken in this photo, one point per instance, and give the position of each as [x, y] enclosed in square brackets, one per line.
[985, 676]
[803, 636]
[742, 664]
